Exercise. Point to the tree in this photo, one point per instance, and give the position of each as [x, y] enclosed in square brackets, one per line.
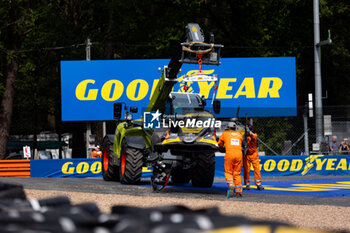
[16, 16]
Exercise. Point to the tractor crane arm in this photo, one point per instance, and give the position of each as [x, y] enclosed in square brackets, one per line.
[165, 85]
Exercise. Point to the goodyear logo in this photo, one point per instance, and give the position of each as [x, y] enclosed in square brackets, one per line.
[85, 167]
[316, 162]
[139, 89]
[81, 168]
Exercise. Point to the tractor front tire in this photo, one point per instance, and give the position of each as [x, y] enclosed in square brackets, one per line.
[204, 170]
[131, 162]
[110, 172]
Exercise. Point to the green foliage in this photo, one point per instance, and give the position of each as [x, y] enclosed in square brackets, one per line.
[147, 29]
[273, 132]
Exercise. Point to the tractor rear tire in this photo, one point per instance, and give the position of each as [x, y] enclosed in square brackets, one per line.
[204, 170]
[180, 176]
[110, 172]
[131, 162]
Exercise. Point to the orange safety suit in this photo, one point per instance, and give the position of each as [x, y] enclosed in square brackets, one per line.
[252, 157]
[232, 140]
[96, 154]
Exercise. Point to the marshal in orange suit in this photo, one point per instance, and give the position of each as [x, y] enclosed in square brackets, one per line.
[252, 157]
[232, 140]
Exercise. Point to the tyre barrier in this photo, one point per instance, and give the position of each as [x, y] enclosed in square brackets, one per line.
[15, 168]
[17, 214]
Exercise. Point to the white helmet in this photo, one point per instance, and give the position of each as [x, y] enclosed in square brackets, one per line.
[231, 124]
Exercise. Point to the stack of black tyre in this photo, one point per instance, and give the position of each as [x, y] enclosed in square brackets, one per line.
[17, 214]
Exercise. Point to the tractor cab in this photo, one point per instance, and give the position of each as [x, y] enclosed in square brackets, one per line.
[181, 103]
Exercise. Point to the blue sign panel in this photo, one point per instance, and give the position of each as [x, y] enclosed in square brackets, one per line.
[324, 165]
[71, 168]
[78, 168]
[260, 86]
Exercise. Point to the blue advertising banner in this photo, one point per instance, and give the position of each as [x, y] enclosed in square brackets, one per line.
[335, 165]
[77, 168]
[260, 86]
[327, 165]
[71, 168]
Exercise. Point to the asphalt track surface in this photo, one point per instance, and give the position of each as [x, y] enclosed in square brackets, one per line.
[311, 190]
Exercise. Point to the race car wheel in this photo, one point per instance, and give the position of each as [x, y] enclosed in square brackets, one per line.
[109, 170]
[204, 170]
[180, 176]
[130, 169]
